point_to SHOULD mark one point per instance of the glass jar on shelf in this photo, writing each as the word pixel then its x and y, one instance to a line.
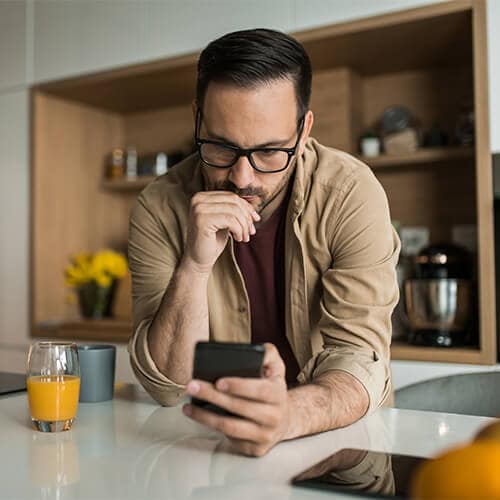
pixel 115 167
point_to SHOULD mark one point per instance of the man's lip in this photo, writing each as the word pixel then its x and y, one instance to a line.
pixel 249 197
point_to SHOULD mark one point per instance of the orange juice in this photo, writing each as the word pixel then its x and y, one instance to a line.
pixel 53 398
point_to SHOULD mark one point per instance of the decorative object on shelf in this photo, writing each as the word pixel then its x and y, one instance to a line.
pixel 115 168
pixel 131 169
pixel 398 128
pixel 158 163
pixel 161 166
pixel 439 300
pixel 435 137
pixel 413 239
pixel 395 119
pixel 93 277
pixel 403 142
pixel 370 144
pixel 465 125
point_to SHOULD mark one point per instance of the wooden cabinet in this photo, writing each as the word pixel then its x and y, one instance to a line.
pixel 426 59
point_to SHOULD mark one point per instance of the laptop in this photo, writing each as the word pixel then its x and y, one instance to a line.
pixel 12 382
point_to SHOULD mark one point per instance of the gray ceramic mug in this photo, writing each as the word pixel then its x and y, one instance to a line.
pixel 97 372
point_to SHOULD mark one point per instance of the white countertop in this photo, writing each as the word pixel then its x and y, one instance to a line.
pixel 132 448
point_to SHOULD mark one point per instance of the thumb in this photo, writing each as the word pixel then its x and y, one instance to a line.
pixel 273 363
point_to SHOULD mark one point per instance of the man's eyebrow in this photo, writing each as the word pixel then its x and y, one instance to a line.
pixel 276 143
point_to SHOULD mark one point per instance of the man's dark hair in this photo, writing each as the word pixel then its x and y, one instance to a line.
pixel 250 58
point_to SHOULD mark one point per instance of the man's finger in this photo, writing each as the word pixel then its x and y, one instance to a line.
pixel 233 209
pixel 249 448
pixel 225 196
pixel 262 390
pixel 232 427
pixel 261 413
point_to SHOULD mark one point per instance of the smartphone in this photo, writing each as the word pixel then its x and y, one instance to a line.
pixel 214 360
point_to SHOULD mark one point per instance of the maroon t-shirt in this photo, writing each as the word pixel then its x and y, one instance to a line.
pixel 262 263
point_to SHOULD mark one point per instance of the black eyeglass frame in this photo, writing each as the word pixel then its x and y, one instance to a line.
pixel 239 152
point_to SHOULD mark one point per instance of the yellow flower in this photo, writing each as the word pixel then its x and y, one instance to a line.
pixel 101 268
pixel 103 279
pixel 110 262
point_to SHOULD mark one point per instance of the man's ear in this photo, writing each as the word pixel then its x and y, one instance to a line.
pixel 308 123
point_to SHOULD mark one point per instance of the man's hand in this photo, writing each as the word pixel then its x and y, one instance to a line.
pixel 213 216
pixel 263 404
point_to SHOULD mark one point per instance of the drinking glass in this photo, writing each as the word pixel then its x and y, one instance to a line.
pixel 53 381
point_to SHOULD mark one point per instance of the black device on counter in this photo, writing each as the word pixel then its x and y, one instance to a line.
pixel 215 360
pixel 362 473
pixel 12 382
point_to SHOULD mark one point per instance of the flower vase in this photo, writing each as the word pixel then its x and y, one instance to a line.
pixel 95 300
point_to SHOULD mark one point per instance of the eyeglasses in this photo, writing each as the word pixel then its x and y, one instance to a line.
pixel 219 154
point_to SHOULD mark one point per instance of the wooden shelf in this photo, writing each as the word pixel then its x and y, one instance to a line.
pixel 360 69
pixel 403 351
pixel 127 184
pixel 424 155
pixel 108 330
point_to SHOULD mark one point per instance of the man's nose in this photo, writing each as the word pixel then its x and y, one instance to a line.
pixel 242 173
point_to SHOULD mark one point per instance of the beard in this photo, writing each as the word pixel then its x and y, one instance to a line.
pixel 265 196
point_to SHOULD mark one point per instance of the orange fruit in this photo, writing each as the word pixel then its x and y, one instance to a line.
pixel 471 472
pixel 489 431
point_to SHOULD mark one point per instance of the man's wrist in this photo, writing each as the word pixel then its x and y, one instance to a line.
pixel 191 268
pixel 291 430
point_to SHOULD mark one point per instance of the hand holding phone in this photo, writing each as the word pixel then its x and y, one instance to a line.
pixel 215 360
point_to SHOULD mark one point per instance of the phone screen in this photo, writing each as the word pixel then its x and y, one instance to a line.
pixel 362 473
pixel 214 360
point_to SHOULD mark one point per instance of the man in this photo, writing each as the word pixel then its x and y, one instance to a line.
pixel 264 235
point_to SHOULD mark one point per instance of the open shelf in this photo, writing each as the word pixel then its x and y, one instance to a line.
pixel 360 68
pixel 421 156
pixel 110 330
pixel 404 351
pixel 127 184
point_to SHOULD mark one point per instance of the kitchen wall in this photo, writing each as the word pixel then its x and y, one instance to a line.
pixel 49 39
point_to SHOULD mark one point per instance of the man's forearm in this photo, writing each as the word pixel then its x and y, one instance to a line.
pixel 181 321
pixel 335 399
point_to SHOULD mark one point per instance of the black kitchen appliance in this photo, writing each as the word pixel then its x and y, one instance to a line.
pixel 439 299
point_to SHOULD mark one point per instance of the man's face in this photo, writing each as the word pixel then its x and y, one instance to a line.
pixel 265 116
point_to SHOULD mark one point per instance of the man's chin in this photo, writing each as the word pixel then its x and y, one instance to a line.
pixel 256 202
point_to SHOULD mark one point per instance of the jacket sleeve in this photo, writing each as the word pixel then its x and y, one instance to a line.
pixel 360 288
pixel 152 260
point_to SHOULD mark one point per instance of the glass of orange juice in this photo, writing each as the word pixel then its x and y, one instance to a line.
pixel 53 382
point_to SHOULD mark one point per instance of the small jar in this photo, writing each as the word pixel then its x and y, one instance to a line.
pixel 131 168
pixel 115 168
pixel 370 146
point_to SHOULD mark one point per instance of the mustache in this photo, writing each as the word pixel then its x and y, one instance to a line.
pixel 246 191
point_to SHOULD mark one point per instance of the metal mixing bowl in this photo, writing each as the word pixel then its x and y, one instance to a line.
pixel 438 304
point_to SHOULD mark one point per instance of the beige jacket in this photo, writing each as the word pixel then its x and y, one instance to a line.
pixel 340 257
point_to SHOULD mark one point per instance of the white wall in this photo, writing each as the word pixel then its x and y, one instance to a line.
pixel 87 35
pixel 47 39
pixel 12 44
pixel 14 216
pixel 493 13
